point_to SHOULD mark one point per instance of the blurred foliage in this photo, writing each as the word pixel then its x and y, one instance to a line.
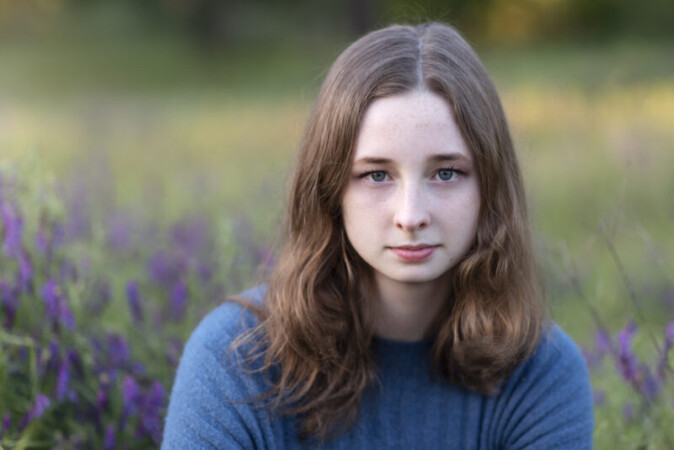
pixel 216 23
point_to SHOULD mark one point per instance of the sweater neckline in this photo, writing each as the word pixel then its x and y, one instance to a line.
pixel 391 349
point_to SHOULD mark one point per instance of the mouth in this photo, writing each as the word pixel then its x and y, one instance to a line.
pixel 414 253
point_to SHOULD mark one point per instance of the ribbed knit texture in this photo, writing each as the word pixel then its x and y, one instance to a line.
pixel 545 404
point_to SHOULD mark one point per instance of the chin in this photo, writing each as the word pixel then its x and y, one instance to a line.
pixel 416 278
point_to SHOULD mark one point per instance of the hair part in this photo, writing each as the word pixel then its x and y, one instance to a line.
pixel 315 326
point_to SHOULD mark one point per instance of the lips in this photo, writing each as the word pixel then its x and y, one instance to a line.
pixel 413 253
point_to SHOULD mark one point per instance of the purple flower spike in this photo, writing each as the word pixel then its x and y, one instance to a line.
pixel 650 385
pixel 165 268
pixel 134 302
pixel 101 400
pixel 118 351
pixel 191 235
pixel 152 411
pixel 157 396
pixel 178 299
pixel 56 305
pixel 25 270
pixel 664 356
pixel 51 300
pixel 628 365
pixel 109 440
pixel 9 300
pixel 669 333
pixel 130 394
pixel 6 423
pixel 67 317
pixel 41 404
pixel 13 226
pixel 63 379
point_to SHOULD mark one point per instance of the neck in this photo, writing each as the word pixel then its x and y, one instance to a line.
pixel 404 311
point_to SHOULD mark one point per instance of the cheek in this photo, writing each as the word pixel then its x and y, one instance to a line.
pixel 361 216
pixel 461 215
pixel 360 205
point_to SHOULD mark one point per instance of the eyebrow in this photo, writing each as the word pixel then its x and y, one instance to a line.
pixel 435 158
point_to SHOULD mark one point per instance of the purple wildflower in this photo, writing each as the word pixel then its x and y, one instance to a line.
pixel 13 226
pixel 51 300
pixel 130 394
pixel 56 305
pixel 664 355
pixel 76 363
pixel 63 379
pixel 152 411
pixel 178 299
pixel 134 302
pixel 41 404
pixel 157 396
pixel 669 335
pixel 25 270
pixel 67 317
pixel 109 439
pixel 6 423
pixel 650 385
pixel 165 269
pixel 191 235
pixel 101 400
pixel 627 361
pixel 9 299
pixel 137 368
pixel 49 358
pixel 118 350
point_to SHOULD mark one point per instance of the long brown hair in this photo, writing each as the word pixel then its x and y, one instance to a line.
pixel 313 325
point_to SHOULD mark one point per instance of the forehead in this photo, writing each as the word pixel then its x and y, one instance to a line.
pixel 416 123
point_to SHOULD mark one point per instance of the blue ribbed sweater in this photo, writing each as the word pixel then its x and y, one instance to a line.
pixel 546 403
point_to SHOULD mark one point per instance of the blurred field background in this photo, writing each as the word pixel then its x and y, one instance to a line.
pixel 131 122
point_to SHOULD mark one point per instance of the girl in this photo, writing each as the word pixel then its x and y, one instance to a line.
pixel 405 310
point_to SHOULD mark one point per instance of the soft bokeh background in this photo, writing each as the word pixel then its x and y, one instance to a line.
pixel 137 118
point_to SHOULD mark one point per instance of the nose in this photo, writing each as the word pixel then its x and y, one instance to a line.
pixel 412 212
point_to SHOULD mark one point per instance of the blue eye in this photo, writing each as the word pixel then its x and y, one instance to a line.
pixel 446 174
pixel 377 176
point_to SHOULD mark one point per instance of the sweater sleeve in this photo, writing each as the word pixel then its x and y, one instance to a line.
pixel 547 403
pixel 208 407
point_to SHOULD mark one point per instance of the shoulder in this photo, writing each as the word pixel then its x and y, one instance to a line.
pixel 556 350
pixel 547 401
pixel 209 405
pixel 220 327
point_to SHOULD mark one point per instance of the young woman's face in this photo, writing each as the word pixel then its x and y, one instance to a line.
pixel 411 204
